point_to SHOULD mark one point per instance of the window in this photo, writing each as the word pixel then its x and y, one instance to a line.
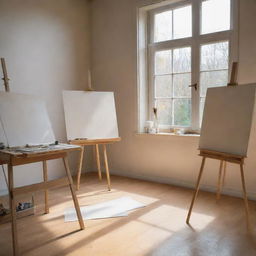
pixel 189 46
pixel 172 96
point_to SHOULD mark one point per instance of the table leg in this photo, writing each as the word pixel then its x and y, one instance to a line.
pixel 98 161
pixel 80 164
pixel 45 171
pixel 13 211
pixel 196 190
pixel 73 193
pixel 106 165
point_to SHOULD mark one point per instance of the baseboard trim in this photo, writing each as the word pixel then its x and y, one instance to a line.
pixel 180 183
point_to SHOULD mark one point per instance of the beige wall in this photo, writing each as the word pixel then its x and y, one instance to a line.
pixel 168 159
pixel 46 46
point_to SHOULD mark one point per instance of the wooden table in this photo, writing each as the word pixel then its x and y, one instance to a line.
pixel 96 143
pixel 15 158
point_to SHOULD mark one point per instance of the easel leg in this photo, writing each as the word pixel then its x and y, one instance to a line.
pixel 196 190
pixel 80 164
pixel 106 165
pixel 98 161
pixel 219 180
pixel 245 196
pixel 13 211
pixel 46 191
pixel 78 212
pixel 224 174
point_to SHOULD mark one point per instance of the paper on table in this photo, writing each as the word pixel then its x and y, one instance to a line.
pixel 109 209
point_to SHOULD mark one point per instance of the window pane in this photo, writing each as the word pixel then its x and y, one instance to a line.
pixel 181 84
pixel 163 86
pixel 163 26
pixel 215 16
pixel 202 101
pixel 182 112
pixel 164 110
pixel 214 56
pixel 163 62
pixel 182 22
pixel 182 60
pixel 212 79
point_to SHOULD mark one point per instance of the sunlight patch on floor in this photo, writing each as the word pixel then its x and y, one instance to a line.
pixel 174 218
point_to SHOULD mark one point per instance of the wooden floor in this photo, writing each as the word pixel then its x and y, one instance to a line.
pixel 218 229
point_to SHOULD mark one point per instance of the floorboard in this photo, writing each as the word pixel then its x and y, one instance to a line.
pixel 217 229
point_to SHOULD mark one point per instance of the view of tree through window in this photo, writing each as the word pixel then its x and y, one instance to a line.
pixel 213 68
pixel 172 94
pixel 181 59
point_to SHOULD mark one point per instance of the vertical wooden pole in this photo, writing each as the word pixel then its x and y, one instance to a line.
pixel 98 161
pixel 219 180
pixel 224 174
pixel 45 171
pixel 13 211
pixel 106 165
pixel 245 197
pixel 80 164
pixel 73 193
pixel 5 78
pixel 196 190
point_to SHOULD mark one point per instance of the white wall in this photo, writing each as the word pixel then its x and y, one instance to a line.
pixel 46 47
pixel 168 159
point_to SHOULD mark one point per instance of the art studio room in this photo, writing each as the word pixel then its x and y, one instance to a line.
pixel 128 127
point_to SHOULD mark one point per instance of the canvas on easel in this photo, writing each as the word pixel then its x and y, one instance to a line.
pixel 227 119
pixel 24 120
pixel 91 120
pixel 90 115
pixel 226 127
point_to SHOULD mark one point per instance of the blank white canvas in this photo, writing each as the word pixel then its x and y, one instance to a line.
pixel 227 119
pixel 90 115
pixel 24 119
pixel 109 209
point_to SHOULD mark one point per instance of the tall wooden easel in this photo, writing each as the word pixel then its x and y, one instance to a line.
pixel 224 158
pixel 96 144
pixel 12 158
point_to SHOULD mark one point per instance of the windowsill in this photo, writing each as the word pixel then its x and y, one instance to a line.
pixel 167 134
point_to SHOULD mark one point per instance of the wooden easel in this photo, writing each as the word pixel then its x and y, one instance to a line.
pixel 12 158
pixel 224 158
pixel 96 143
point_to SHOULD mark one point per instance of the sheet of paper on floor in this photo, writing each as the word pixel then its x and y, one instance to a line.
pixel 110 209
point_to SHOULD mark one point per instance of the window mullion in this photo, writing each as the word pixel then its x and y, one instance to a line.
pixel 195 69
pixel 151 91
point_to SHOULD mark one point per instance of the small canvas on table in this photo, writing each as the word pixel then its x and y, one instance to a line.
pixel 24 120
pixel 227 119
pixel 90 115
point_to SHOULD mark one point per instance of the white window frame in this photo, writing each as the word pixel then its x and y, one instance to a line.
pixel 147 49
